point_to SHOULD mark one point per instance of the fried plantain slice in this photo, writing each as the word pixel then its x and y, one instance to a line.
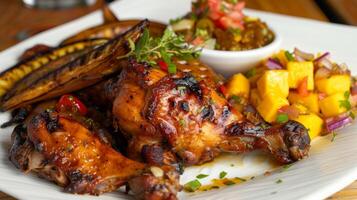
pixel 112 27
pixel 110 30
pixel 108 15
pixel 85 70
pixel 11 76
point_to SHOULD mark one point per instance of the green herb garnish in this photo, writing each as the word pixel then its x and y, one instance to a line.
pixel 346 102
pixel 192 186
pixel 251 73
pixel 236 99
pixel 289 56
pixel 278 181
pixel 201 176
pixel 222 174
pixel 235 31
pixel 282 118
pixel 334 134
pixel 286 167
pixel 182 122
pixel 149 49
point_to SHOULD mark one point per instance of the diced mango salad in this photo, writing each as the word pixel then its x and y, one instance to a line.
pixel 308 88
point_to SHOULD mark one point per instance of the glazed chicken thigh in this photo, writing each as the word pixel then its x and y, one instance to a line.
pixel 183 115
pixel 63 150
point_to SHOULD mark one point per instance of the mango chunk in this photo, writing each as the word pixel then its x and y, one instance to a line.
pixel 274 83
pixel 298 71
pixel 268 107
pixel 331 105
pixel 311 101
pixel 312 122
pixel 238 85
pixel 334 84
pixel 282 57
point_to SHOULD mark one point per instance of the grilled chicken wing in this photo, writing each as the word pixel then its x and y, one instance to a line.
pixel 66 152
pixel 185 115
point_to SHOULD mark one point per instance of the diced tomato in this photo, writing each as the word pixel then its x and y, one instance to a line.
pixel 302 88
pixel 354 89
pixel 239 6
pixel 163 65
pixel 223 90
pixel 70 103
pixel 291 111
pixel 198 41
pixel 322 96
pixel 229 17
pixel 227 22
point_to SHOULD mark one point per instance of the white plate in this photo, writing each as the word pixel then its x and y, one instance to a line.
pixel 330 167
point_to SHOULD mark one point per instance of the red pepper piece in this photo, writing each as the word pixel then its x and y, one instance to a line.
pixel 71 103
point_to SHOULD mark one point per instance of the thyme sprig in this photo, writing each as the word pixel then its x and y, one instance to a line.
pixel 151 49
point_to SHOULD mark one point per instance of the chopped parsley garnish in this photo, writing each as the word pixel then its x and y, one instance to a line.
pixel 286 167
pixel 333 136
pixel 182 122
pixel 149 49
pixel 236 99
pixel 251 73
pixel 278 181
pixel 346 102
pixel 282 118
pixel 192 186
pixel 289 56
pixel 222 174
pixel 235 31
pixel 201 176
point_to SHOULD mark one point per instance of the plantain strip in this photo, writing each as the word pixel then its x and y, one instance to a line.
pixel 111 30
pixel 74 75
pixel 10 77
pixel 108 15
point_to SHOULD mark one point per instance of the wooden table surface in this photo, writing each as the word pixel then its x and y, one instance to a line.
pixel 18 23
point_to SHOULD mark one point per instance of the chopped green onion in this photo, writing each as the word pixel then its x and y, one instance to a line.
pixel 222 174
pixel 201 176
pixel 251 73
pixel 171 68
pixel 236 99
pixel 289 56
pixel 192 186
pixel 182 122
pixel 333 136
pixel 282 118
pixel 279 181
pixel 286 167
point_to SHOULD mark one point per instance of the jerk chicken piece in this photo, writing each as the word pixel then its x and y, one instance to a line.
pixel 66 152
pixel 183 114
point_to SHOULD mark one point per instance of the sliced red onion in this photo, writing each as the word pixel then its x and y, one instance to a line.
pixel 322 72
pixel 322 57
pixel 303 56
pixel 354 90
pixel 273 64
pixel 335 123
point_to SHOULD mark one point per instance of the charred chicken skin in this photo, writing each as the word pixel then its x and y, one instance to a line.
pixel 183 115
pixel 66 152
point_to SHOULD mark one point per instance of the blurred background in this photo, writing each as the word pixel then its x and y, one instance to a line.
pixel 21 19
